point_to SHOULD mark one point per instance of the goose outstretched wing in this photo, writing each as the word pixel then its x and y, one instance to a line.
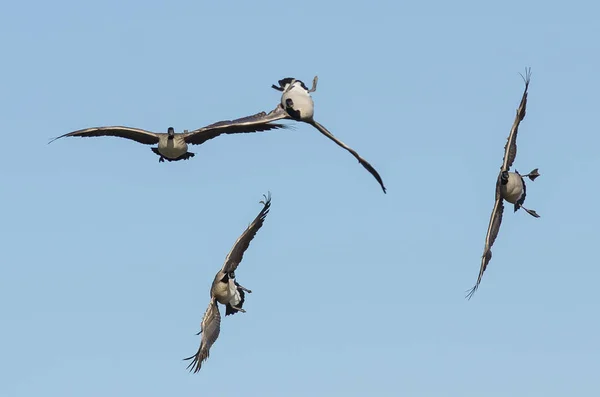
pixel 510 149
pixel 243 242
pixel 255 123
pixel 135 134
pixel 490 237
pixel 362 161
pixel 210 329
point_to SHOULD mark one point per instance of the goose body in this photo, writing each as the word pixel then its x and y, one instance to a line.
pixel 513 189
pixel 226 291
pixel 172 148
pixel 510 187
pixel 297 101
pixel 222 290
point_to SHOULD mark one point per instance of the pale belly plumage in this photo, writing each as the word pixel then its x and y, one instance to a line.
pixel 302 102
pixel 512 191
pixel 227 293
pixel 172 148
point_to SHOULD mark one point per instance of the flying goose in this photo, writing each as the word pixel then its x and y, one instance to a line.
pixel 510 186
pixel 226 291
pixel 174 147
pixel 297 104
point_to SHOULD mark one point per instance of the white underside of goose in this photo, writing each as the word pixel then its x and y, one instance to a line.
pixel 513 189
pixel 227 293
pixel 301 102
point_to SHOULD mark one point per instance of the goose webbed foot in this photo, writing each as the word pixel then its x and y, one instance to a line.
pixel 244 289
pixel 186 156
pixel 533 174
pixel 161 159
pixel 531 212
pixel 314 85
pixel 239 286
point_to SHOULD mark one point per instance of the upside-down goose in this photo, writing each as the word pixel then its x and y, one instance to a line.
pixel 226 291
pixel 510 186
pixel 174 146
pixel 297 104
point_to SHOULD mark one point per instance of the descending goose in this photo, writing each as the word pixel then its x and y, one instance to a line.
pixel 174 147
pixel 510 186
pixel 297 104
pixel 226 291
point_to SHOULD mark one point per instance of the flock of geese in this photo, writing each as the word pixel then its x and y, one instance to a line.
pixel 297 104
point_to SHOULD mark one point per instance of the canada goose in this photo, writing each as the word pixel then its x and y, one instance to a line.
pixel 510 186
pixel 226 290
pixel 297 104
pixel 174 147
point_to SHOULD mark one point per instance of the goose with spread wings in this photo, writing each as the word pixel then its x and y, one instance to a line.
pixel 510 186
pixel 174 146
pixel 297 104
pixel 226 291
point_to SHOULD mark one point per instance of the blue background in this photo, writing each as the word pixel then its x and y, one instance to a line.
pixel 108 255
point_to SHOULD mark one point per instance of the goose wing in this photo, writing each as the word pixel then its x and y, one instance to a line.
pixel 210 329
pixel 255 123
pixel 135 134
pixel 362 161
pixel 241 245
pixel 492 233
pixel 510 149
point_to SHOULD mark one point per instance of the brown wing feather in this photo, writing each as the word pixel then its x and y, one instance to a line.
pixel 510 149
pixel 135 134
pixel 362 161
pixel 255 123
pixel 492 233
pixel 241 245
pixel 210 329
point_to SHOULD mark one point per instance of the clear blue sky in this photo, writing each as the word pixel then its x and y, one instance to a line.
pixel 108 255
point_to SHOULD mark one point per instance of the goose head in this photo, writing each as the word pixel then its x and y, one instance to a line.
pixel 171 132
pixel 227 276
pixel 284 84
pixel 504 177
pixel 296 85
